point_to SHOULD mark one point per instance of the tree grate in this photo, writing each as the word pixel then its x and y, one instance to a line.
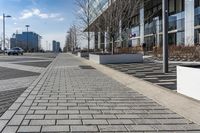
pixel 86 67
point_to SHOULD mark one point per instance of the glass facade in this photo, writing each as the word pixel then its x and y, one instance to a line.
pixel 184 23
pixel 97 7
pixel 197 22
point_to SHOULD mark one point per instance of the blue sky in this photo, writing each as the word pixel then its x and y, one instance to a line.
pixel 49 18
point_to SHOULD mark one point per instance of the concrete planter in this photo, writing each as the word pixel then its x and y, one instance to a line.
pixel 118 58
pixel 188 82
pixel 83 54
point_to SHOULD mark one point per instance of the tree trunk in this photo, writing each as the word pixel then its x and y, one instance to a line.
pixel 113 50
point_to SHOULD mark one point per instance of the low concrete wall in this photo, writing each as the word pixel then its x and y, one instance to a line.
pixel 118 58
pixel 83 54
pixel 188 82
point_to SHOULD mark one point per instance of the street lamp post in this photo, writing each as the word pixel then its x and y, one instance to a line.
pixel 4 30
pixel 165 35
pixel 27 26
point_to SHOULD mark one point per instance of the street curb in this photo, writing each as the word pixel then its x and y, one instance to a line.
pixel 184 106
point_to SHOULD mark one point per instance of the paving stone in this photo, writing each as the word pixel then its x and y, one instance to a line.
pixel 47 112
pixel 8 115
pixel 95 122
pixel 34 117
pixel 140 128
pixel 3 124
pixel 112 128
pixel 22 110
pixel 42 122
pixel 26 129
pixel 80 116
pixel 68 111
pixel 69 122
pixel 10 129
pixel 53 129
pixel 111 116
pixel 16 120
pixel 120 122
pixel 84 128
pixel 57 117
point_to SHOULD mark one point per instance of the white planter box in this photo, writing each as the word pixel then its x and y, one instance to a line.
pixel 118 58
pixel 83 54
pixel 188 81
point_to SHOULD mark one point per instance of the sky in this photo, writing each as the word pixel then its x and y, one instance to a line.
pixel 49 18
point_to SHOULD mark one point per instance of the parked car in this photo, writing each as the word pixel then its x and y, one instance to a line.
pixel 15 51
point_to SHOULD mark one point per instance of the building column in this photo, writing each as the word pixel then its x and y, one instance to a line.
pixel 189 22
pixel 120 33
pixel 157 31
pixel 142 23
pixel 99 40
pixel 96 40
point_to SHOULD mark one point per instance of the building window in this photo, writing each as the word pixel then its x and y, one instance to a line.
pixel 176 6
pixel 179 5
pixel 171 6
pixel 197 3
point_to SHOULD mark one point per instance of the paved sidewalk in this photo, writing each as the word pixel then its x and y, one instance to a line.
pixel 72 97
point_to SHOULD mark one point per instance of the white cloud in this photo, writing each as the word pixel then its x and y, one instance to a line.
pixel 36 12
pixel 26 14
pixel 60 19
pixel 54 15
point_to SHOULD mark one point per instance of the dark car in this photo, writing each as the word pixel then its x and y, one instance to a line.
pixel 15 51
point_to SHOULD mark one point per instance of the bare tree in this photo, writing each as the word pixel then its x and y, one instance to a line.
pixel 117 19
pixel 71 39
pixel 85 16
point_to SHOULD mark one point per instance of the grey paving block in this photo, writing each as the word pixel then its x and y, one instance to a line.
pixel 10 129
pixel 140 128
pixel 80 116
pixel 42 122
pixel 53 129
pixel 84 128
pixel 34 117
pixel 120 122
pixel 69 122
pixel 3 124
pixel 26 129
pixel 7 115
pixel 16 120
pixel 95 122
pixel 112 128
pixel 56 117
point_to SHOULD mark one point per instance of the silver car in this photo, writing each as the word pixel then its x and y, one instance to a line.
pixel 15 51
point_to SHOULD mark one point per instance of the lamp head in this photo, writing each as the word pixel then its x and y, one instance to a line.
pixel 8 16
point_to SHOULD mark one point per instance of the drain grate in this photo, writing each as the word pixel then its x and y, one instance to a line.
pixel 86 67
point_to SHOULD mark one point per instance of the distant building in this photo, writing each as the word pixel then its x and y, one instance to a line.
pixel 56 46
pixel 29 41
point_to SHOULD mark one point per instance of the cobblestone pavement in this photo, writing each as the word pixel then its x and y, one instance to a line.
pixel 72 97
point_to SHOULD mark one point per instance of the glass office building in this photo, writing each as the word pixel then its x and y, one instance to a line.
pixel 27 40
pixel 146 25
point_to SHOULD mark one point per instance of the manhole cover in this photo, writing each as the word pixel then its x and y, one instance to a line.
pixel 86 67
